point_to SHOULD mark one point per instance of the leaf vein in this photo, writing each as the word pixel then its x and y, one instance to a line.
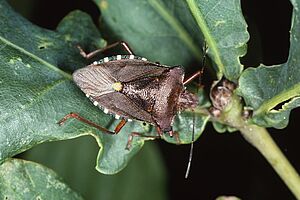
pixel 207 34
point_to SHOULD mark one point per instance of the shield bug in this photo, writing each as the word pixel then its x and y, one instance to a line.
pixel 132 88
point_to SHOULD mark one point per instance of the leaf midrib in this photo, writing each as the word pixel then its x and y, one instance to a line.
pixel 285 95
pixel 200 20
pixel 177 26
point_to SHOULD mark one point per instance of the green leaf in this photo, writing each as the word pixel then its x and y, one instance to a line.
pixel 21 179
pixel 74 160
pixel 265 87
pixel 172 31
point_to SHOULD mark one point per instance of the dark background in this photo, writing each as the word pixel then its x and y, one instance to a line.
pixel 223 164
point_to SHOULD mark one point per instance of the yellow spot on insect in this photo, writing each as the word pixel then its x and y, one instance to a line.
pixel 103 4
pixel 117 86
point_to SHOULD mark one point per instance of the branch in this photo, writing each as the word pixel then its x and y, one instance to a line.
pixel 263 142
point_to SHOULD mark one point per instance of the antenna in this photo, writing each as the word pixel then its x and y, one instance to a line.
pixel 191 150
pixel 205 48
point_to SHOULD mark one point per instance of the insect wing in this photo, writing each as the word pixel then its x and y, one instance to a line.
pixel 94 81
pixel 120 105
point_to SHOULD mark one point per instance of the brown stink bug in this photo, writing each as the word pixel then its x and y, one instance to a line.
pixel 132 88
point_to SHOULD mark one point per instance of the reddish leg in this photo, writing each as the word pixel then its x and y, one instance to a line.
pixel 159 132
pixel 135 134
pixel 191 78
pixel 116 131
pixel 120 125
pixel 93 53
pixel 78 117
pixel 171 134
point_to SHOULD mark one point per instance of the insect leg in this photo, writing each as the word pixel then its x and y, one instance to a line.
pixel 195 75
pixel 120 126
pixel 135 134
pixel 93 53
pixel 78 117
pixel 171 133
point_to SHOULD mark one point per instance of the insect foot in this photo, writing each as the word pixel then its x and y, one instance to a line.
pixel 70 115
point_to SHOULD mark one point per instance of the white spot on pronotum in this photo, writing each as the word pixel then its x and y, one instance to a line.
pixel 131 57
pixel 106 59
pixel 105 110
pixel 119 57
pixel 130 120
pixel 95 103
pixel 95 63
pixel 117 116
pixel 87 95
pixel 144 59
